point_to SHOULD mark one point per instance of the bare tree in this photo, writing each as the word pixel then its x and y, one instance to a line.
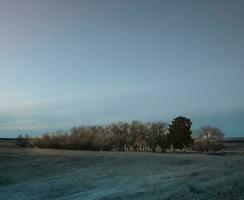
pixel 136 131
pixel 120 131
pixel 208 139
pixel 23 141
pixel 163 136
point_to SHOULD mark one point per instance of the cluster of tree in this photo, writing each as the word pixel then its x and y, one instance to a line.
pixel 123 136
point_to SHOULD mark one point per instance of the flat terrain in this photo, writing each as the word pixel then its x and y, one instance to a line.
pixel 57 174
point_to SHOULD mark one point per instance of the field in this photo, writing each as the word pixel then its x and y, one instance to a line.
pixel 57 174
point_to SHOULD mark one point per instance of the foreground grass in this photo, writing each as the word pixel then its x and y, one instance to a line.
pixel 57 174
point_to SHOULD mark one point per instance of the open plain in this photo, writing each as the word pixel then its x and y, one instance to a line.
pixel 32 173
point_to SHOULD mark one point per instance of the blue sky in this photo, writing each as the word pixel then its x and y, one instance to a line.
pixel 67 63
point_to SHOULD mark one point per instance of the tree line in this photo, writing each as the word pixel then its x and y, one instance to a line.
pixel 133 136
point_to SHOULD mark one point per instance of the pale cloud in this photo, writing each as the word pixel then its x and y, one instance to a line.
pixel 100 105
pixel 9 98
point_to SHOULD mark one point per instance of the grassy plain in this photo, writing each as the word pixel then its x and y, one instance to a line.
pixel 38 174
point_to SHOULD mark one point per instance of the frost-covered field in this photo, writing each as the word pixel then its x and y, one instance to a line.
pixel 56 174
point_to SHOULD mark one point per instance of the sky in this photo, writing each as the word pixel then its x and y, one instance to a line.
pixel 65 63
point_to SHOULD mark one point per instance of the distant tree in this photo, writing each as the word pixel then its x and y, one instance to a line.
pixel 108 138
pixel 163 137
pixel 151 136
pixel 180 133
pixel 208 138
pixel 120 131
pixel 23 141
pixel 140 143
pixel 135 137
pixel 156 135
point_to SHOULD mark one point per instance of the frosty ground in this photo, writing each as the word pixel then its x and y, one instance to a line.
pixel 57 174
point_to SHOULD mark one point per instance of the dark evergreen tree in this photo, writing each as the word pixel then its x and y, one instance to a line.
pixel 180 133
